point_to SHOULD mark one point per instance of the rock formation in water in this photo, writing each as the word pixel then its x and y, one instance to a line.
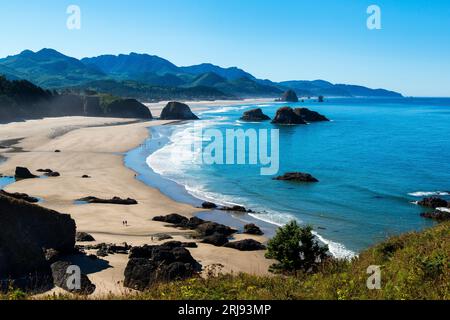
pixel 286 115
pixel 177 111
pixel 310 116
pixel 297 177
pixel 433 202
pixel 254 115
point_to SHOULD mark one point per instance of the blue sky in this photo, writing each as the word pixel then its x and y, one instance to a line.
pixel 275 39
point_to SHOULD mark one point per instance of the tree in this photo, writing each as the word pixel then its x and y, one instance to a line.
pixel 295 248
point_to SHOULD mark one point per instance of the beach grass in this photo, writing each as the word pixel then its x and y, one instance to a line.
pixel 413 266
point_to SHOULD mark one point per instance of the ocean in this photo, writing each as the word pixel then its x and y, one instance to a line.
pixel 374 159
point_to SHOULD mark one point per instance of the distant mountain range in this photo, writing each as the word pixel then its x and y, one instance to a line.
pixel 150 77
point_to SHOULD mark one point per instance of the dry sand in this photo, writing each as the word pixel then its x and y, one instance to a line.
pixel 95 146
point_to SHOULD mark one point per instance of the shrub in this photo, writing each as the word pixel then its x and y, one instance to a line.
pixel 295 248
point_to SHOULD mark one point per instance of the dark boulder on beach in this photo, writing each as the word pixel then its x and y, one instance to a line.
pixel 289 96
pixel 62 272
pixel 433 202
pixel 173 218
pixel 246 245
pixel 24 173
pixel 209 228
pixel 52 174
pixel 216 239
pixel 85 176
pixel 115 200
pixel 309 115
pixel 84 237
pixel 149 265
pixel 177 111
pixel 20 196
pixel 252 228
pixel 254 115
pixel 45 170
pixel 286 115
pixel 128 108
pixel 208 205
pixel 27 232
pixel 193 223
pixel 297 177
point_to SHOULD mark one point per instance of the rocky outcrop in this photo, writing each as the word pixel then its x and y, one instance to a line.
pixel 440 215
pixel 53 174
pixel 210 228
pixel 26 231
pixel 24 173
pixel 173 218
pixel 115 200
pixel 128 108
pixel 433 202
pixel 62 273
pixel 297 177
pixel 177 111
pixel 84 237
pixel 216 239
pixel 254 115
pixel 252 228
pixel 286 115
pixel 20 196
pixel 149 265
pixel 289 96
pixel 310 116
pixel 210 232
pixel 235 208
pixel 246 245
pixel 208 205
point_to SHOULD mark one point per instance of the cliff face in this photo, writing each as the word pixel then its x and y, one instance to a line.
pixel 26 230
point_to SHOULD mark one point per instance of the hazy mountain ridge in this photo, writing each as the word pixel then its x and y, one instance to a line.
pixel 155 78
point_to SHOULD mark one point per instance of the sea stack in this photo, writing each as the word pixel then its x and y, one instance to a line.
pixel 289 96
pixel 177 111
pixel 254 115
pixel 309 115
pixel 286 115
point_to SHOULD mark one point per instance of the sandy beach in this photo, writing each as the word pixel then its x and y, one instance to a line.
pixel 96 147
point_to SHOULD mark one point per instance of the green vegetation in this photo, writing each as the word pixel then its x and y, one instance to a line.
pixel 413 266
pixel 296 249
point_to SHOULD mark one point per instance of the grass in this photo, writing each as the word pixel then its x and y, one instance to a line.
pixel 413 266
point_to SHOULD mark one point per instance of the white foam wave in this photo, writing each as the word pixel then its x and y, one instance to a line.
pixel 178 157
pixel 443 209
pixel 429 193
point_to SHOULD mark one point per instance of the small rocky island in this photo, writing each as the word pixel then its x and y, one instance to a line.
pixel 254 115
pixel 177 111
pixel 297 177
pixel 286 115
pixel 309 115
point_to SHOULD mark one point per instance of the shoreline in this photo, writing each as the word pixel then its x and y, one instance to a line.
pixel 136 160
pixel 99 151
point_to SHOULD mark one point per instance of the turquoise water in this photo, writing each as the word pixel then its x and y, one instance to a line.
pixel 373 160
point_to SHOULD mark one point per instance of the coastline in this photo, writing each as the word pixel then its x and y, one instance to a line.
pixel 97 147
